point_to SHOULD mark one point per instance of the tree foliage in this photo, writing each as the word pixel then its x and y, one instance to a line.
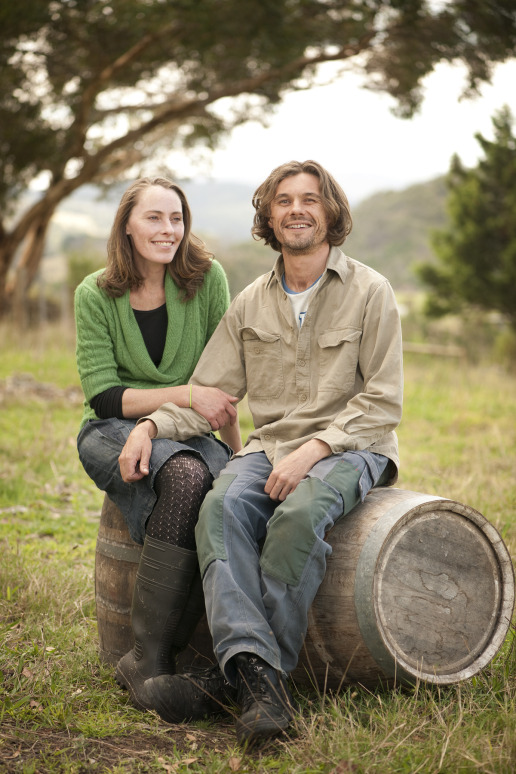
pixel 90 89
pixel 477 250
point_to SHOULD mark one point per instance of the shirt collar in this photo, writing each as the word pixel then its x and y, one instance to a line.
pixel 277 271
pixel 337 262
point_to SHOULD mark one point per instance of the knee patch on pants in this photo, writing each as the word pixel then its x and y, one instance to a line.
pixel 291 533
pixel 209 532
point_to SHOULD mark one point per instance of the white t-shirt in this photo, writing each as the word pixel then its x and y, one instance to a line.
pixel 299 300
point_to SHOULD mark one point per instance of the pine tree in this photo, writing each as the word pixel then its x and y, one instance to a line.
pixel 477 250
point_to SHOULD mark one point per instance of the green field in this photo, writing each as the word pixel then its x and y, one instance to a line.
pixel 60 708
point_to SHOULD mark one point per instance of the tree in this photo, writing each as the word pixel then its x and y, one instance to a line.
pixel 90 89
pixel 477 250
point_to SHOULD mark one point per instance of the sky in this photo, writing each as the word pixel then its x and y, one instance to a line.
pixel 353 133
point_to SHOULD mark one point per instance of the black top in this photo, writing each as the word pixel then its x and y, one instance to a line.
pixel 153 325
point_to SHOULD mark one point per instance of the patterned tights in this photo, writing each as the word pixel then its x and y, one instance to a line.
pixel 181 486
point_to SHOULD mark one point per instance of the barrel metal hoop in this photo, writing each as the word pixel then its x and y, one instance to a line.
pixel 118 551
pixel 365 591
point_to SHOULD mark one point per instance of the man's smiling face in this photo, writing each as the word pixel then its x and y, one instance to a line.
pixel 297 217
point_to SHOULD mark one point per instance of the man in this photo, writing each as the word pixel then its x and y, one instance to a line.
pixel 316 346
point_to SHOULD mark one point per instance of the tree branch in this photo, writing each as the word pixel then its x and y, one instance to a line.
pixel 80 124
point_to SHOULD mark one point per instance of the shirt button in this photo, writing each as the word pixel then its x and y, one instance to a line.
pixel 302 398
pixel 302 362
pixel 267 437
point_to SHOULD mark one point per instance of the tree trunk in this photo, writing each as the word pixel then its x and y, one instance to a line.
pixel 28 237
pixel 9 245
pixel 32 252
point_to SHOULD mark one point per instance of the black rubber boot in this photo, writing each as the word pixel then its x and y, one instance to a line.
pixel 193 611
pixel 161 594
pixel 190 696
pixel 263 696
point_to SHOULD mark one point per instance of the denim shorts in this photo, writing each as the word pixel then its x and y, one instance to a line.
pixel 99 444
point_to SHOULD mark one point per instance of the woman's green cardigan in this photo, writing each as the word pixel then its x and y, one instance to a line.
pixel 110 348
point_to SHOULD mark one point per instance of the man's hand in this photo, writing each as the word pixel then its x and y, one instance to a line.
pixel 215 405
pixel 293 468
pixel 134 457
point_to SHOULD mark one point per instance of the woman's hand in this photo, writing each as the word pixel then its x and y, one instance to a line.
pixel 215 405
pixel 135 456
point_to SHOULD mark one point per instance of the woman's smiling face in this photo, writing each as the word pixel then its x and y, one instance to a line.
pixel 155 225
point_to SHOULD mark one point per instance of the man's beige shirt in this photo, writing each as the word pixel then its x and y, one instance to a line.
pixel 339 378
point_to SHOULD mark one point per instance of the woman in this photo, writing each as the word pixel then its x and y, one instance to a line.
pixel 142 324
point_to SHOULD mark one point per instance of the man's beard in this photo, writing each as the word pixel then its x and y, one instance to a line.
pixel 314 239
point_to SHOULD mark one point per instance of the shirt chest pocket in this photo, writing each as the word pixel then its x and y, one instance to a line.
pixel 338 358
pixel 263 362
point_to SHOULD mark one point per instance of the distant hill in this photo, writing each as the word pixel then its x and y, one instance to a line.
pixel 390 229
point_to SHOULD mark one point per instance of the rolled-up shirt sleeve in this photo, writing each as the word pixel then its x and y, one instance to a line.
pixel 177 423
pixel 220 365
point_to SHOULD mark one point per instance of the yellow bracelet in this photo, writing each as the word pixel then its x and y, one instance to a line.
pixel 190 396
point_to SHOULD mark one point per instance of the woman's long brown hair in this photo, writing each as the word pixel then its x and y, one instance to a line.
pixel 191 261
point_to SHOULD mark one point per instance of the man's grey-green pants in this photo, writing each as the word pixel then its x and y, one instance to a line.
pixel 262 560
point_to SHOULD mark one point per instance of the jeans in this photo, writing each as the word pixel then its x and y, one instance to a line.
pixel 263 561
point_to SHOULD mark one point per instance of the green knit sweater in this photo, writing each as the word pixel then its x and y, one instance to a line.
pixel 110 348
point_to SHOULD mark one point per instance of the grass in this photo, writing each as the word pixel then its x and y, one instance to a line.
pixel 60 710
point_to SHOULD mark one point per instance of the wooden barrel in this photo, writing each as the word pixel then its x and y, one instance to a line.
pixel 116 562
pixel 417 588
